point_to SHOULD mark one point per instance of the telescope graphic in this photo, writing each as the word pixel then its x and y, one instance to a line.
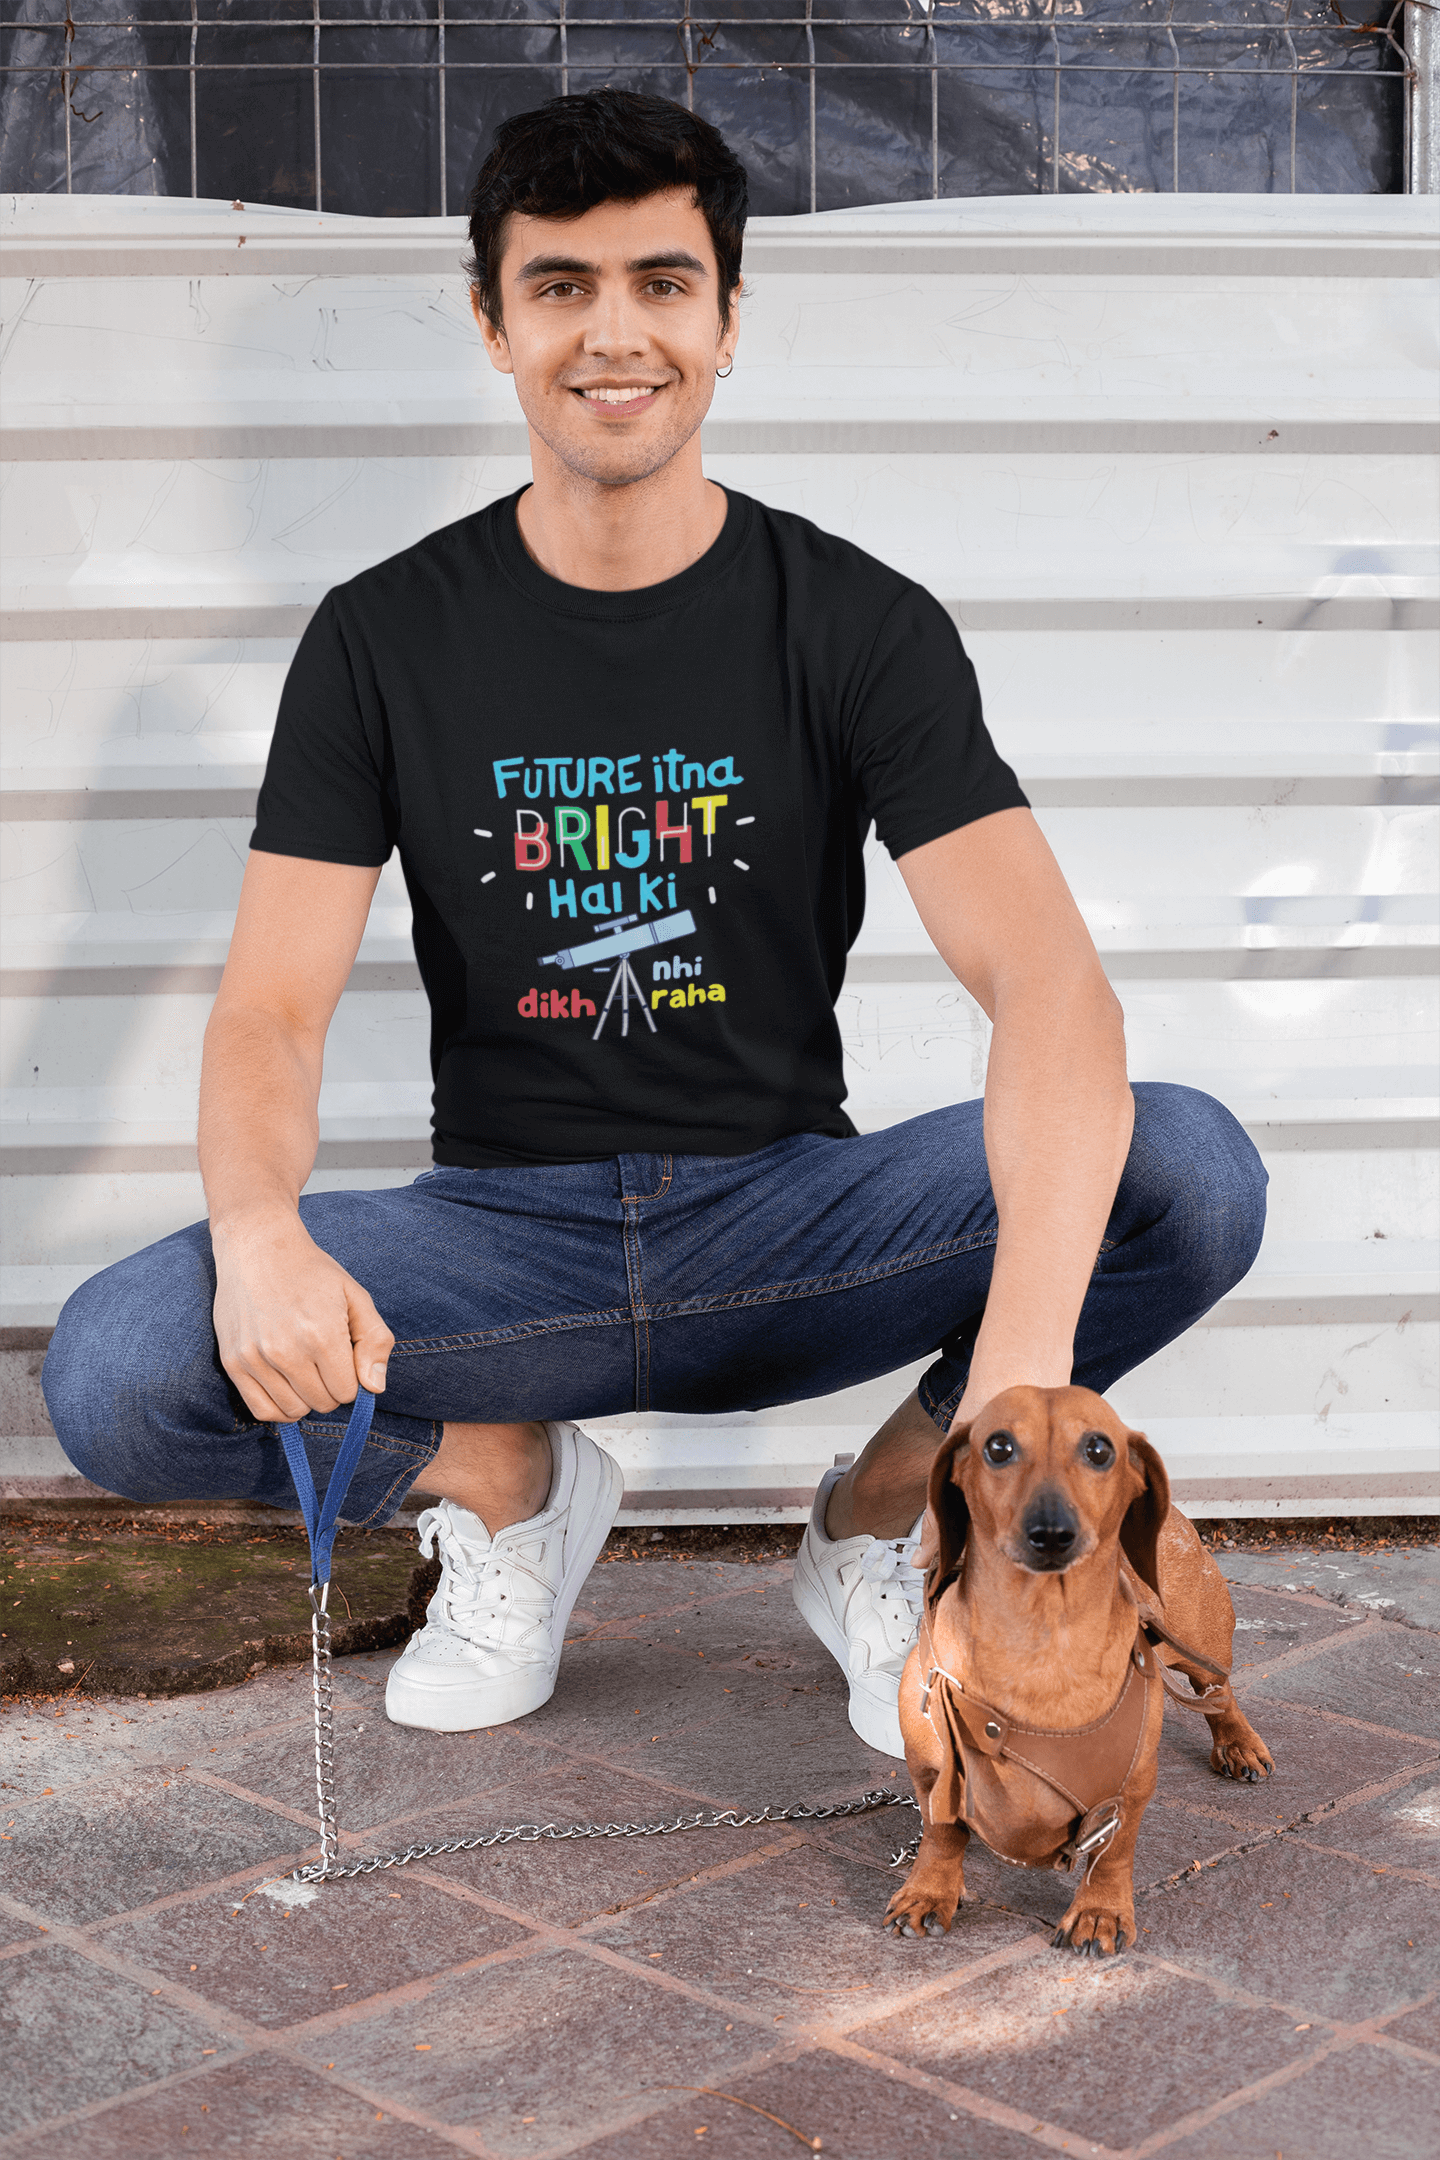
pixel 617 942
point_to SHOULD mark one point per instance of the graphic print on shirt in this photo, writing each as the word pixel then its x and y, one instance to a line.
pixel 618 882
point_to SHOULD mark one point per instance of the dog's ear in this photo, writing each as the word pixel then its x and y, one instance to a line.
pixel 1145 1516
pixel 950 1509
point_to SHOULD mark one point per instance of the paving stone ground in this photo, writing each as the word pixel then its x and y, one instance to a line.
pixel 720 1991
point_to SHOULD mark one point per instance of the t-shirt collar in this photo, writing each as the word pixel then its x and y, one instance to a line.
pixel 520 567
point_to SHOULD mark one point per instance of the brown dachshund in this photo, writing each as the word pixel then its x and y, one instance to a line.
pixel 1031 1706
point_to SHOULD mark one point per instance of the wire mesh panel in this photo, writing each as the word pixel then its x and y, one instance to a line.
pixel 382 107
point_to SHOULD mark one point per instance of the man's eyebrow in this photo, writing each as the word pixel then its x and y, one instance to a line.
pixel 668 259
pixel 555 266
pixel 543 266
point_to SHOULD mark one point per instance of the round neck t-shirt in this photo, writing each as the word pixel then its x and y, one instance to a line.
pixel 630 823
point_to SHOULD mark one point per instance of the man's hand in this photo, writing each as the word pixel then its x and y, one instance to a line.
pixel 296 1333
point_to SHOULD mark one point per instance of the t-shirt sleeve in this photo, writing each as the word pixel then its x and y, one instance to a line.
pixel 323 796
pixel 919 747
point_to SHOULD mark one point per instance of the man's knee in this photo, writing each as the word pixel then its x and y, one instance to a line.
pixel 131 1356
pixel 1193 1162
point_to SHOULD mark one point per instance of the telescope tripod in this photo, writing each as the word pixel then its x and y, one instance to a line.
pixel 624 980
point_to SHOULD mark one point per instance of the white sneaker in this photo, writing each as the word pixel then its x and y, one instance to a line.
pixel 490 1647
pixel 862 1596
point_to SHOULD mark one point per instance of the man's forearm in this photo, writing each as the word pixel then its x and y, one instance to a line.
pixel 1058 1120
pixel 259 1116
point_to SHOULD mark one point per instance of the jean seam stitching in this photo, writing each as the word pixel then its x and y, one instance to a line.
pixel 399 1485
pixel 661 1189
pixel 376 1442
pixel 522 1331
pixel 942 1407
pixel 640 1287
pixel 821 1285
pixel 635 1268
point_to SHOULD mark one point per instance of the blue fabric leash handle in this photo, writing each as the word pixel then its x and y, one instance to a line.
pixel 320 1526
pixel 321 1522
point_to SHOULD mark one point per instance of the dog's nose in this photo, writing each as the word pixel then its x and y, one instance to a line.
pixel 1050 1529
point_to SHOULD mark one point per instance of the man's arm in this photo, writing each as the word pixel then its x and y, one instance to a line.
pixel 295 1331
pixel 1058 1108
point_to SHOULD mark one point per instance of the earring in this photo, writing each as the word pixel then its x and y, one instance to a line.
pixel 722 372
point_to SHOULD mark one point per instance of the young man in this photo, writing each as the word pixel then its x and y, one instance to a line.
pixel 628 732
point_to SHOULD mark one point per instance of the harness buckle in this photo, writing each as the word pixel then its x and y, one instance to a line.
pixel 1096 1832
pixel 320 1597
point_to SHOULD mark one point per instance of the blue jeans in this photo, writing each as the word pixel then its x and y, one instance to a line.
pixel 646 1282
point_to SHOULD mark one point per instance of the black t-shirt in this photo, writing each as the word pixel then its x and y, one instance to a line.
pixel 630 822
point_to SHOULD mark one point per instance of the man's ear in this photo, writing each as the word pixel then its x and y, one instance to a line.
pixel 950 1509
pixel 1145 1516
pixel 492 337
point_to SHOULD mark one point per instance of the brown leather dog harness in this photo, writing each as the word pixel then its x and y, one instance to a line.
pixel 1089 1766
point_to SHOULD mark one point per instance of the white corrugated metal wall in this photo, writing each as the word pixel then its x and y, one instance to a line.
pixel 1170 461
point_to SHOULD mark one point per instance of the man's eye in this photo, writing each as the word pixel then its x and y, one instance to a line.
pixel 1097 1450
pixel 663 286
pixel 561 291
pixel 999 1448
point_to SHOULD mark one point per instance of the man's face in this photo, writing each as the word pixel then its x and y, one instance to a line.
pixel 612 332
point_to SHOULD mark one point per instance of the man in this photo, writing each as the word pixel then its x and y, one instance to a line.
pixel 628 732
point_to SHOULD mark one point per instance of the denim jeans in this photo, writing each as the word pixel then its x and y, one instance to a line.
pixel 646 1282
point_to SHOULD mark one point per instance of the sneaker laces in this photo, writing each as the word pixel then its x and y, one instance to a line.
pixel 897 1587
pixel 477 1595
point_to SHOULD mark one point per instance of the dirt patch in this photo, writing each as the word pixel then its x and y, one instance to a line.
pixel 124 1611
pixel 743 1542
pixel 1350 1533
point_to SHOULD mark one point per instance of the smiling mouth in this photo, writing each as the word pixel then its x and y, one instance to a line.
pixel 630 394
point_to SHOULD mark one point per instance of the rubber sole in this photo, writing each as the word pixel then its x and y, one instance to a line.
pixel 438 1706
pixel 468 1702
pixel 875 1719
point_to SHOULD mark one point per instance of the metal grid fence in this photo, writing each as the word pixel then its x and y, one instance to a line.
pixel 1049 55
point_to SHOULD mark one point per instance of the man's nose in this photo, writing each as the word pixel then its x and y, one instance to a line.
pixel 1050 1527
pixel 616 326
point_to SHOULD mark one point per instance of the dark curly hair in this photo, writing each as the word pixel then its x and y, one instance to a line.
pixel 574 153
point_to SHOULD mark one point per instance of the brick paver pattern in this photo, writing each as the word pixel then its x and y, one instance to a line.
pixel 641 1999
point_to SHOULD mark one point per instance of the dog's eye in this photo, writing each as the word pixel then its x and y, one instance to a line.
pixel 1099 1452
pixel 999 1448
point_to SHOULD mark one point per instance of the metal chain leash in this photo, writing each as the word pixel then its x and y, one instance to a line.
pixel 326 1869
pixel 321 1676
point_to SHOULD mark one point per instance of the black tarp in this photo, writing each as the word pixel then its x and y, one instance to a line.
pixel 130 86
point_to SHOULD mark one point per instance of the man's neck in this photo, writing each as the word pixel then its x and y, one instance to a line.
pixel 618 539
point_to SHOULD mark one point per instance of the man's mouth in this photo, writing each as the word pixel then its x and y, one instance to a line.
pixel 629 394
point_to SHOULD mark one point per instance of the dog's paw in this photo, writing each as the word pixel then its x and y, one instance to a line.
pixel 1242 1755
pixel 914 1913
pixel 1093 1933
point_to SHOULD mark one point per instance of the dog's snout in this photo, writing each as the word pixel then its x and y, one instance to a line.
pixel 1050 1530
